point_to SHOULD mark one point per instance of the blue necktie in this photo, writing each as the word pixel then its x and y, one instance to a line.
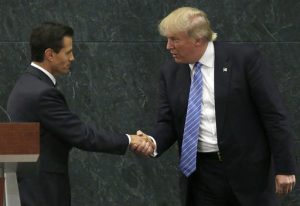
pixel 192 124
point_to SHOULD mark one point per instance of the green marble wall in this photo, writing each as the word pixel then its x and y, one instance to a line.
pixel 113 83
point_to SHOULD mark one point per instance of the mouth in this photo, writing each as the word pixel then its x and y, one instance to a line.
pixel 174 55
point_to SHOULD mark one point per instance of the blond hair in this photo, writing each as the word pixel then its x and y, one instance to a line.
pixel 190 20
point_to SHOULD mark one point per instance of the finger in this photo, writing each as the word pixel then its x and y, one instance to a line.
pixel 145 148
pixel 290 188
pixel 133 147
pixel 293 180
pixel 141 147
pixel 290 184
pixel 278 188
pixel 139 133
pixel 150 151
pixel 286 187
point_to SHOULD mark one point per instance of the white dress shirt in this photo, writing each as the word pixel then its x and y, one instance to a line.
pixel 208 130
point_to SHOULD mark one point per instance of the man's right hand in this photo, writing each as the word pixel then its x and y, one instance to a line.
pixel 142 144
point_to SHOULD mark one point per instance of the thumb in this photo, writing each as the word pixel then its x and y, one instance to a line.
pixel 139 133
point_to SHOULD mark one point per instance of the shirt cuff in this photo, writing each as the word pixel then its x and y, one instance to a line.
pixel 129 139
pixel 155 149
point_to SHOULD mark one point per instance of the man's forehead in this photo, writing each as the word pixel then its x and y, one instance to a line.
pixel 67 41
pixel 180 34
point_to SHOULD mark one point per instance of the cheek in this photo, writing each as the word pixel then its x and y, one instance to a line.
pixel 64 60
pixel 183 50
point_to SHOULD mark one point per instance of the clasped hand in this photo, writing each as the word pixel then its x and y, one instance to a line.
pixel 285 184
pixel 142 144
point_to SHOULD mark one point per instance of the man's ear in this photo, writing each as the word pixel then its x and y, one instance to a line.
pixel 199 42
pixel 49 54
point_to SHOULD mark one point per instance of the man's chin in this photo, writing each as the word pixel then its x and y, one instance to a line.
pixel 62 73
pixel 179 61
pixel 67 71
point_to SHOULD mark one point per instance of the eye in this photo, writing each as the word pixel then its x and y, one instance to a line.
pixel 173 40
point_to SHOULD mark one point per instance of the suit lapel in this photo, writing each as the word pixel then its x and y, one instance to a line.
pixel 39 74
pixel 184 86
pixel 222 82
pixel 181 89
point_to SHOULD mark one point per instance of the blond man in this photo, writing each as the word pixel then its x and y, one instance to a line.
pixel 220 104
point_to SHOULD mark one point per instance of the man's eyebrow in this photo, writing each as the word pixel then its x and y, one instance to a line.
pixel 69 51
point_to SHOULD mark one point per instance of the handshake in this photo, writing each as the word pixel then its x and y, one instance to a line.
pixel 142 144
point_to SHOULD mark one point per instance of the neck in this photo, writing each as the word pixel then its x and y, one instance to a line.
pixel 202 49
pixel 44 65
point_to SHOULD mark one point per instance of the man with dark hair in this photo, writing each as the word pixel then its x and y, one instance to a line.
pixel 35 99
pixel 41 39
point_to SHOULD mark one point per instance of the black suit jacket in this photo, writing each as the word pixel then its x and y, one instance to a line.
pixel 35 99
pixel 252 124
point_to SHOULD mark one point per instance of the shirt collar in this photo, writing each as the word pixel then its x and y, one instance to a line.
pixel 208 58
pixel 45 72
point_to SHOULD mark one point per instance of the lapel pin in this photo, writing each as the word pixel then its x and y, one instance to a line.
pixel 225 69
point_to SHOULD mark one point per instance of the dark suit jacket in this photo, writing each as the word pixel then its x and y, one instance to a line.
pixel 252 124
pixel 35 99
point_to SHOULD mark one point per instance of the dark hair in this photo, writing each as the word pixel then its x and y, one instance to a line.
pixel 48 35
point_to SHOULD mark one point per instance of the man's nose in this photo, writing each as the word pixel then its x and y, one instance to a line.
pixel 72 58
pixel 169 44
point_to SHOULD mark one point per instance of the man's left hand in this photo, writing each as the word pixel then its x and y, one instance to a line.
pixel 285 184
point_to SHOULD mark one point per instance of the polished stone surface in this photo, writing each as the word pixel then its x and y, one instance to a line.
pixel 113 83
pixel 136 20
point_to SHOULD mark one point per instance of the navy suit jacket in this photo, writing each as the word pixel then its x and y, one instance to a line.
pixel 252 125
pixel 35 99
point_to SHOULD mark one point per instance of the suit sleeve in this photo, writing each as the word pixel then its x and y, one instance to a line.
pixel 164 132
pixel 272 112
pixel 56 117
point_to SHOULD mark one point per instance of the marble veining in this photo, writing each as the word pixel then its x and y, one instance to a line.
pixel 114 80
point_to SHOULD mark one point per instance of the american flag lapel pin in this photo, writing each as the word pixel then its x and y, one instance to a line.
pixel 225 69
